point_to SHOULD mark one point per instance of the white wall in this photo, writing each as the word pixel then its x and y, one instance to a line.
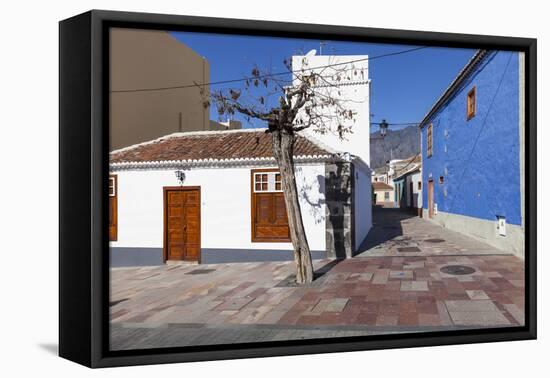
pixel 363 204
pixel 379 178
pixel 225 207
pixel 415 178
pixel 354 95
pixel 381 196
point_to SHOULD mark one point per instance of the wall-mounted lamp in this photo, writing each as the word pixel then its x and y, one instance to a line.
pixel 180 175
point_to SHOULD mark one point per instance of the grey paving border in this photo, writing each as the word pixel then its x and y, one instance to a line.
pixel 127 336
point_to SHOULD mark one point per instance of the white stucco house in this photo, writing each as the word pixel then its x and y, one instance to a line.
pixel 215 196
pixel 380 175
pixel 408 187
pixel 383 194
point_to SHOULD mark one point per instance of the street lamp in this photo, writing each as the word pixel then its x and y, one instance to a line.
pixel 383 128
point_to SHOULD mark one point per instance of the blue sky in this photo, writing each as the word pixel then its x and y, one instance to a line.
pixel 403 88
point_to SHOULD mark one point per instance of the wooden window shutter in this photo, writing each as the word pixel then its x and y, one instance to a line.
pixel 279 209
pixel 429 140
pixel 471 104
pixel 113 208
pixel 269 217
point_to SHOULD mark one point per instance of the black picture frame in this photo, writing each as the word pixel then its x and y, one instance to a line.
pixel 83 167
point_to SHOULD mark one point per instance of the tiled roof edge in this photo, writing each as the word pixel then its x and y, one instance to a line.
pixel 462 75
pixel 414 168
pixel 214 163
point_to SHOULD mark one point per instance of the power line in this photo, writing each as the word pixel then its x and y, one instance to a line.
pixel 267 75
pixel 398 124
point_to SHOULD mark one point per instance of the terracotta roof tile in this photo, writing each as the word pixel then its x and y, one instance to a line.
pixel 218 145
pixel 378 185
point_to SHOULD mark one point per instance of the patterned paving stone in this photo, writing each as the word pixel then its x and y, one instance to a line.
pixel 477 294
pixel 387 320
pixel 375 293
pixel 471 306
pixel 234 304
pixel 414 286
pixel 492 318
pixel 401 274
pixel 397 233
pixel 516 312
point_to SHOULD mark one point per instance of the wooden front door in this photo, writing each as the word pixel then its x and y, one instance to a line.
pixel 182 215
pixel 431 198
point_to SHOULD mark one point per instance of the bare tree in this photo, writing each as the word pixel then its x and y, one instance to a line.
pixel 312 100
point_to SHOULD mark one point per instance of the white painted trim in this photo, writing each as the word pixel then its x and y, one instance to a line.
pixel 271 182
pixel 214 163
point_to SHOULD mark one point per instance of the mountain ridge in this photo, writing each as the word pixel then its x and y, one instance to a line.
pixel 397 144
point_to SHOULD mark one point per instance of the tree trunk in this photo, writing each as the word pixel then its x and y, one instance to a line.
pixel 283 144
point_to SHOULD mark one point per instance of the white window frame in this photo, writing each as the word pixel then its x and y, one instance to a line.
pixel 270 182
pixel 112 186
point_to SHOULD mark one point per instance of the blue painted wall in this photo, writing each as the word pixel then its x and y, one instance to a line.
pixel 399 192
pixel 479 159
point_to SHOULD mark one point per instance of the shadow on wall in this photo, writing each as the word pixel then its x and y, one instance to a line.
pixel 338 190
pixel 403 199
pixel 312 193
pixel 335 193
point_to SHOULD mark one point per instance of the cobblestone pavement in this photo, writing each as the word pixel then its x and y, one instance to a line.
pixel 395 232
pixel 180 305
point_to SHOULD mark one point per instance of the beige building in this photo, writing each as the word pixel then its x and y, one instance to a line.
pixel 144 60
pixel 383 194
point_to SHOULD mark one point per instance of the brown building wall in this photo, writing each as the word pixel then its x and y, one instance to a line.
pixel 151 59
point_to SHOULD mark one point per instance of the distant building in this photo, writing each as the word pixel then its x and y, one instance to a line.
pixel 226 125
pixel 383 194
pixel 473 152
pixel 408 186
pixel 386 174
pixel 395 166
pixel 142 62
pixel 380 174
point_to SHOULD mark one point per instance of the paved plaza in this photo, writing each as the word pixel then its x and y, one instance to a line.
pixel 405 280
